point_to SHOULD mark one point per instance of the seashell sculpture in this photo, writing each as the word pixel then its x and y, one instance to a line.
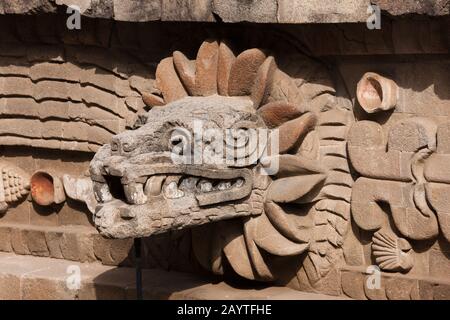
pixel 14 185
pixel 47 188
pixel 376 93
pixel 391 252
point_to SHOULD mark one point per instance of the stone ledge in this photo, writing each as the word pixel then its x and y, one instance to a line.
pixel 75 243
pixel 260 11
pixel 396 37
pixel 392 286
pixel 26 277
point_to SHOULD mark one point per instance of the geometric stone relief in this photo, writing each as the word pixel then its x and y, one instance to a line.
pixel 401 196
pixel 394 176
pixel 73 101
pixel 358 184
pixel 392 253
pixel 305 209
pixel 14 185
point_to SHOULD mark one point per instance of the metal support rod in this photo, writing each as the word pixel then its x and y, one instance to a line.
pixel 137 253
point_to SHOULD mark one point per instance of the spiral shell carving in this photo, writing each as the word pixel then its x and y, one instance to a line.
pixel 391 252
pixel 14 184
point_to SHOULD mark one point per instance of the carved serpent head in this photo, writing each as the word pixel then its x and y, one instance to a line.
pixel 222 149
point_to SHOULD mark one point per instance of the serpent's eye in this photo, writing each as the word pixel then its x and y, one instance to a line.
pixel 177 143
pixel 127 147
pixel 180 141
pixel 240 137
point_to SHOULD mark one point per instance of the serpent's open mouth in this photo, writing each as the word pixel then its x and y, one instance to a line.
pixel 177 194
pixel 175 183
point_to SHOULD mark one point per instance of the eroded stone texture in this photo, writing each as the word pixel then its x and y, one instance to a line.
pixel 75 91
pixel 313 169
pixel 45 278
pixel 397 200
pixel 14 185
pixel 236 11
pixel 142 191
pixel 179 10
pixel 64 106
pixel 262 11
pixel 327 11
pixel 429 7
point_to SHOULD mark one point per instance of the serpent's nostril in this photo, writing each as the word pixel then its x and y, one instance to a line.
pixel 115 145
pixel 127 214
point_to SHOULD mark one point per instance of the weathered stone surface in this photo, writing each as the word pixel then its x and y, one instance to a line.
pixel 275 114
pixel 294 130
pixel 77 91
pixel 27 278
pixel 353 285
pixel 5 239
pixel 402 162
pixel 159 196
pixel 9 287
pixel 14 185
pixel 353 249
pixel 167 81
pixel 22 7
pixel 392 286
pixel 81 106
pixel 77 246
pixel 36 243
pixel 441 292
pixel 400 289
pixel 368 193
pixel 438 261
pixel 369 157
pixel 267 11
pixel 273 11
pixel 112 252
pixel 243 72
pixel 136 10
pixel 179 10
pixel 327 11
pixel 252 11
pixel 74 243
pixel 81 189
pixel 428 7
pixel 18 242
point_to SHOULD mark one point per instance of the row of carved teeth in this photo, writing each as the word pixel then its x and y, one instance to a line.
pixel 173 187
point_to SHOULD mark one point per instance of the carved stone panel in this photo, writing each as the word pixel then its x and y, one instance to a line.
pixel 251 219
pixel 290 155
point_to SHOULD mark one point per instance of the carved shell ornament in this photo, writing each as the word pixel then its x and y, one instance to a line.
pixel 391 252
pixel 240 219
